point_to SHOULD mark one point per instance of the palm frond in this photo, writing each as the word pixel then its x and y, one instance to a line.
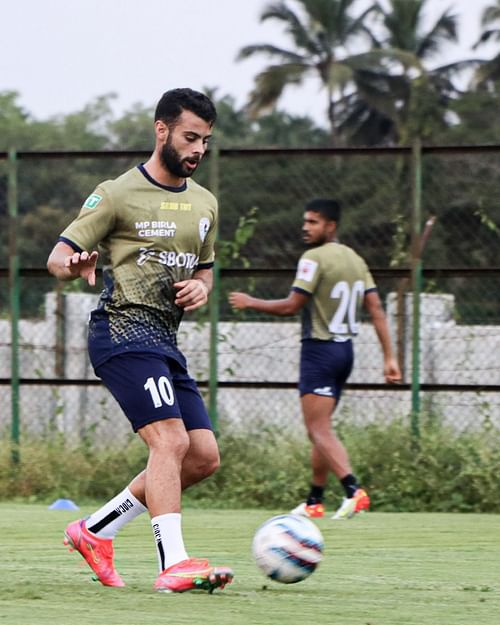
pixel 444 29
pixel 358 24
pixel 300 33
pixel 272 51
pixel 339 76
pixel 457 67
pixel 487 72
pixel 383 93
pixel 492 33
pixel 362 125
pixel 491 14
pixel 270 83
pixel 376 58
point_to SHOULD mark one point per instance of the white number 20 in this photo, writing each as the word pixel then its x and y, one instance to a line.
pixel 344 320
pixel 161 392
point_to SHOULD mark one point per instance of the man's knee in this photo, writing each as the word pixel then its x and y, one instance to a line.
pixel 318 434
pixel 167 436
pixel 198 466
pixel 208 465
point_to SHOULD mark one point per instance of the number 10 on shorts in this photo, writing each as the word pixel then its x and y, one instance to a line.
pixel 161 392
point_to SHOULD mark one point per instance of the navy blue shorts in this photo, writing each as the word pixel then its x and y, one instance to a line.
pixel 151 387
pixel 325 367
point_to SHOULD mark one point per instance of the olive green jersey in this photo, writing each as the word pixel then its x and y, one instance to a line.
pixel 149 236
pixel 337 280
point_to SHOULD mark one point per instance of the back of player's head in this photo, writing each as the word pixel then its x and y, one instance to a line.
pixel 172 103
pixel 329 209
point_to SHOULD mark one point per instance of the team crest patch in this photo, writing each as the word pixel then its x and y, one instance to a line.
pixel 306 269
pixel 204 226
pixel 92 201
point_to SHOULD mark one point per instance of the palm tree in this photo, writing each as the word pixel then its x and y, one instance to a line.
pixel 489 71
pixel 321 32
pixel 424 94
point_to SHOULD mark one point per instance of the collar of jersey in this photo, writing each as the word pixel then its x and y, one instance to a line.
pixel 143 171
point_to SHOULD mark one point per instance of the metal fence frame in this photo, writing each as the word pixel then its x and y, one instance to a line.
pixel 415 274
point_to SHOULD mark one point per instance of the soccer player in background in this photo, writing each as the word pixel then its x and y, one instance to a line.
pixel 331 284
pixel 155 228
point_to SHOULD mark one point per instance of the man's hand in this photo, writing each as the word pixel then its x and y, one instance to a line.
pixel 191 294
pixel 82 265
pixel 392 373
pixel 239 301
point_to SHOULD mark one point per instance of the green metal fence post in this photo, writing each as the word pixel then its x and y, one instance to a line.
pixel 214 303
pixel 416 279
pixel 14 290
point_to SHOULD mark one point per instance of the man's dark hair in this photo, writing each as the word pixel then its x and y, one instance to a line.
pixel 329 209
pixel 172 103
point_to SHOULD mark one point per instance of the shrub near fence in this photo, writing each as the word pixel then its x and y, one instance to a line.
pixel 446 472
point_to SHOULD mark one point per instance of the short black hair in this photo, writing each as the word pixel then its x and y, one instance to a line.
pixel 172 103
pixel 327 208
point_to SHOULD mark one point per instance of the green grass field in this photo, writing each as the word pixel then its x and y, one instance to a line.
pixel 379 569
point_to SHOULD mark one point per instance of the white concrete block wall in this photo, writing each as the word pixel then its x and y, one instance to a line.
pixel 254 351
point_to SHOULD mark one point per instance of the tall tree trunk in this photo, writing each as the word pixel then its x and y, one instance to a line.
pixel 331 116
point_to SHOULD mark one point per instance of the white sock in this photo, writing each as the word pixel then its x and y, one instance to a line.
pixel 168 537
pixel 120 510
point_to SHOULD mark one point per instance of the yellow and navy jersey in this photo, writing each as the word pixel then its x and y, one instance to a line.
pixel 337 279
pixel 149 236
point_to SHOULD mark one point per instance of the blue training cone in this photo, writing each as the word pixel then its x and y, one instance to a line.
pixel 63 504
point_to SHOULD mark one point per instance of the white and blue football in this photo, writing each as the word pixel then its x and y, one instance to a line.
pixel 287 548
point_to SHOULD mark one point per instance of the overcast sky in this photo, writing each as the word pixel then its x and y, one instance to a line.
pixel 61 54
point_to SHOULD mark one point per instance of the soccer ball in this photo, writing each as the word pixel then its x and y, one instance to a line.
pixel 287 548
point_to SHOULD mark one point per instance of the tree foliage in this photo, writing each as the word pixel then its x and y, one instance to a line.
pixel 391 89
pixel 319 31
pixel 389 92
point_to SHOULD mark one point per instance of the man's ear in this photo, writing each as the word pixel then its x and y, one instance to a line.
pixel 332 227
pixel 161 130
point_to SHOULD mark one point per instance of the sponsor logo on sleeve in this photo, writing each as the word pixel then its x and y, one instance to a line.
pixel 204 227
pixel 92 201
pixel 306 269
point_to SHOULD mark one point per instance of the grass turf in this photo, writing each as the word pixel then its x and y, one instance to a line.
pixel 378 569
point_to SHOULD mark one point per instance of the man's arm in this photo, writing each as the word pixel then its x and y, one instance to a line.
pixel 374 306
pixel 66 264
pixel 282 307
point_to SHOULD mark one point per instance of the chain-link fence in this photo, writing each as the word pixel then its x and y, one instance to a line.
pixel 252 371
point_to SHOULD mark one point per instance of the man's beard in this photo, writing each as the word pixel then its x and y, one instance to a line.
pixel 321 241
pixel 171 160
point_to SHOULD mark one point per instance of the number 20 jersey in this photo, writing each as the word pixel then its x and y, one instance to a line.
pixel 337 279
pixel 149 236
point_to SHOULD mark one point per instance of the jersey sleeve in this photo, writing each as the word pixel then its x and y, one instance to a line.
pixel 369 281
pixel 308 273
pixel 95 220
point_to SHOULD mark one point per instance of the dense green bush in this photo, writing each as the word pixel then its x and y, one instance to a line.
pixel 49 470
pixel 442 471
